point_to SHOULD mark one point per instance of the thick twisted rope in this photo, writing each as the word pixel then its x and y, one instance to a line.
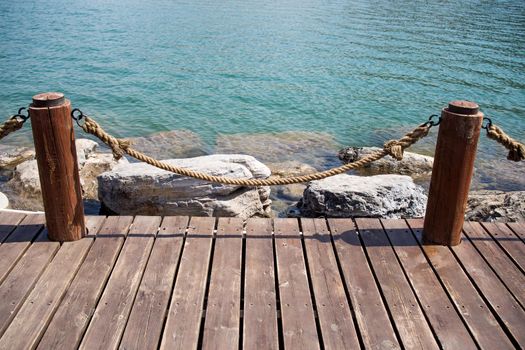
pixel 120 147
pixel 10 125
pixel 516 149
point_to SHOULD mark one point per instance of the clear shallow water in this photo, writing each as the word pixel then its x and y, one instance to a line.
pixel 360 70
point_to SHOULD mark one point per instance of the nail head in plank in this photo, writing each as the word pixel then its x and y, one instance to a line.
pixel 185 312
pixel 144 328
pixel 445 320
pixel 76 309
pixel 500 262
pixel 409 319
pixel 221 325
pixel 31 321
pixel 335 316
pixel 518 228
pixel 474 310
pixel 297 311
pixel 110 317
pixel 372 317
pixel 494 291
pixel 260 303
pixel 508 241
pixel 23 277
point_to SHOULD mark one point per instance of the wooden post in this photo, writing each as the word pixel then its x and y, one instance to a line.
pixel 57 166
pixel 456 147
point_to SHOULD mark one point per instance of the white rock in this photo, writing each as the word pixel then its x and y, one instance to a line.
pixel 138 188
pixel 25 183
pixel 11 156
pixel 411 164
pixel 381 196
pixel 4 201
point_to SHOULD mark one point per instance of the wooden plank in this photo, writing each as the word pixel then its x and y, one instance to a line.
pixel 144 327
pixel 297 311
pixel 76 309
pixel 8 223
pixel 500 262
pixel 475 312
pixel 444 319
pixel 335 317
pixel 221 325
pixel 29 324
pixel 16 244
pixel 260 300
pixel 409 319
pixel 513 245
pixel 500 299
pixel 110 317
pixel 518 228
pixel 185 313
pixel 23 277
pixel 372 317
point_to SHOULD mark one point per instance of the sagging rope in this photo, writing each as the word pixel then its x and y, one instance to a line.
pixel 516 149
pixel 395 148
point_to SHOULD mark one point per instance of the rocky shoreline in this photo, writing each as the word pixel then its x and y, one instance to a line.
pixel 383 189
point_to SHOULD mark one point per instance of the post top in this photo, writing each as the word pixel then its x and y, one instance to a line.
pixel 48 99
pixel 463 107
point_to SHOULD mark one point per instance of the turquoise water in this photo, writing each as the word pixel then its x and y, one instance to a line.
pixel 359 70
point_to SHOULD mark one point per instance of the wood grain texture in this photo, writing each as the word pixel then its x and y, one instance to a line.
pixel 222 322
pixel 8 223
pixel 500 299
pixel 372 317
pixel 16 244
pixel 500 262
pixel 440 311
pixel 475 312
pixel 297 311
pixel 452 171
pixel 335 316
pixel 112 312
pixel 29 324
pixel 410 321
pixel 76 309
pixel 144 327
pixel 511 244
pixel 518 228
pixel 185 312
pixel 23 277
pixel 260 303
pixel 58 169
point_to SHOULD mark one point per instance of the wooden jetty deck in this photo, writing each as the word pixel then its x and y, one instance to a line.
pixel 185 283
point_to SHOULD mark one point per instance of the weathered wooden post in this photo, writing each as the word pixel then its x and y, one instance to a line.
pixel 57 166
pixel 456 147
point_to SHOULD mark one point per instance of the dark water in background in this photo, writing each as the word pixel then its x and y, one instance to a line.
pixel 361 71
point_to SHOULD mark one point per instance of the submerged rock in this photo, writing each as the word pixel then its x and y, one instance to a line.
pixel 380 196
pixel 24 186
pixel 11 156
pixel 496 206
pixel 411 164
pixel 138 188
pixel 316 149
pixel 170 144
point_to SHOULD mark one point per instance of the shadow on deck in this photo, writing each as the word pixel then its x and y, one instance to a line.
pixel 148 282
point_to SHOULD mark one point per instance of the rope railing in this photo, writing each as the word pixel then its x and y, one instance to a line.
pixel 394 148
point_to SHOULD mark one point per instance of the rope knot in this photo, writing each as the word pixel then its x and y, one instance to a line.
pixel 394 148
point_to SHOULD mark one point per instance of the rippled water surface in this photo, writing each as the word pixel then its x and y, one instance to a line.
pixel 359 70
